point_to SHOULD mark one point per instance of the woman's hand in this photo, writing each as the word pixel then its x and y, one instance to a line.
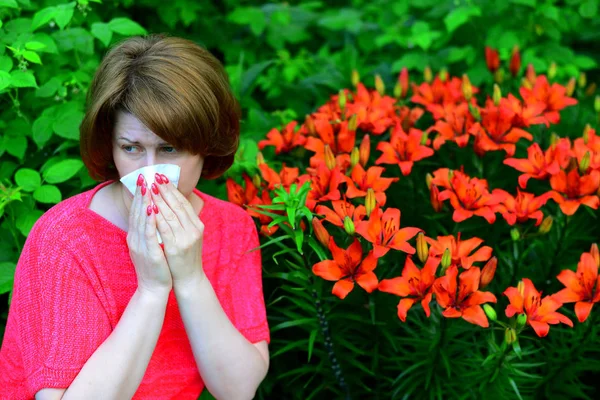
pixel 148 258
pixel 181 231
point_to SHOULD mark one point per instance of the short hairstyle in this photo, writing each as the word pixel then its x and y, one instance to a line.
pixel 176 88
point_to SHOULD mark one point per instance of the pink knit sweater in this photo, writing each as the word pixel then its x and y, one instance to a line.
pixel 74 279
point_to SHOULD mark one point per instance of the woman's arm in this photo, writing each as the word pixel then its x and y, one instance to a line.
pixel 231 367
pixel 117 367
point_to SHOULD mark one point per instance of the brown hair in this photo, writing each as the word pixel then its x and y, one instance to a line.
pixel 174 87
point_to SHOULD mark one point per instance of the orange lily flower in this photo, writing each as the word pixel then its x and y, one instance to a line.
pixel 375 113
pixel 403 149
pixel 285 177
pixel 383 230
pixel 582 287
pixel 590 144
pixel 346 268
pixel 460 250
pixel 264 220
pixel 525 114
pixel 496 132
pixel 554 97
pixel 462 298
pixel 408 117
pixel 360 181
pixel 539 164
pixel 285 140
pixel 523 207
pixel 341 210
pixel 571 190
pixel 439 93
pixel 456 125
pixel 492 59
pixel 340 143
pixel 469 196
pixel 324 184
pixel 239 195
pixel 540 312
pixel 414 285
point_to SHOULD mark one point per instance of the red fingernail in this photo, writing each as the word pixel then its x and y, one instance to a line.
pixel 154 188
pixel 149 210
pixel 164 178
pixel 158 178
pixel 140 180
pixel 155 208
pixel 143 190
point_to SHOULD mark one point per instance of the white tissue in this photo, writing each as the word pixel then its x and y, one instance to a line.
pixel 171 171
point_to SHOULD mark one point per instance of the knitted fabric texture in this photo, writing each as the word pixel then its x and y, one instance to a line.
pixel 75 277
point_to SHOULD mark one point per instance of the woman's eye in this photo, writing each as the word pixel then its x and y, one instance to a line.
pixel 169 149
pixel 128 149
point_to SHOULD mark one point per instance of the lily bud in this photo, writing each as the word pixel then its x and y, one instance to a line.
pixel 310 125
pixel 354 157
pixel 355 78
pixel 424 138
pixel 586 133
pixel 488 272
pixel 379 85
pixel 521 320
pixel 397 90
pixel 260 159
pixel 352 123
pixel 554 138
pixel 595 254
pixel 467 88
pixel 570 87
pixel 582 80
pixel 584 164
pixel 450 174
pixel 530 74
pixel 256 180
pixel 422 247
pixel 370 201
pixel 428 180
pixel 521 288
pixel 497 95
pixel 597 103
pixel 320 232
pixel 510 336
pixel 499 75
pixel 515 61
pixel 427 74
pixel 475 112
pixel 490 312
pixel 526 84
pixel 446 259
pixel 434 194
pixel 342 99
pixel 546 225
pixel 443 75
pixel 514 234
pixel 329 158
pixel 364 150
pixel 552 70
pixel 349 225
pixel 591 89
pixel 403 81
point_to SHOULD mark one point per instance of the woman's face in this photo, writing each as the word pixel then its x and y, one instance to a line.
pixel 135 146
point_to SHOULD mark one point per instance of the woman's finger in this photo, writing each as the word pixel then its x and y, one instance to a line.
pixel 180 205
pixel 134 216
pixel 170 215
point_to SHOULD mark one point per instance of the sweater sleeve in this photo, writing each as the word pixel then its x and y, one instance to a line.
pixel 60 320
pixel 246 288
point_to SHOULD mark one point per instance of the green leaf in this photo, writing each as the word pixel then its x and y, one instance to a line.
pixel 412 61
pixel 311 343
pixel 64 14
pixel 585 62
pixel 588 9
pixel 20 78
pixel 251 74
pixel 345 19
pixel 126 27
pixel 6 63
pixel 29 179
pixel 32 56
pixel 67 123
pixel 49 88
pixel 47 194
pixel 62 171
pixel 25 221
pixel 252 16
pixel 5 80
pixel 460 16
pixel 530 3
pixel 35 45
pixel 422 36
pixel 42 17
pixel 9 3
pixel 7 274
pixel 102 31
pixel 42 130
pixel 16 146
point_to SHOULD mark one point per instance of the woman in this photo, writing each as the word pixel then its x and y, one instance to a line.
pixel 99 308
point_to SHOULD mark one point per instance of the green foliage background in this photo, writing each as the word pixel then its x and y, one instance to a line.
pixel 284 59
